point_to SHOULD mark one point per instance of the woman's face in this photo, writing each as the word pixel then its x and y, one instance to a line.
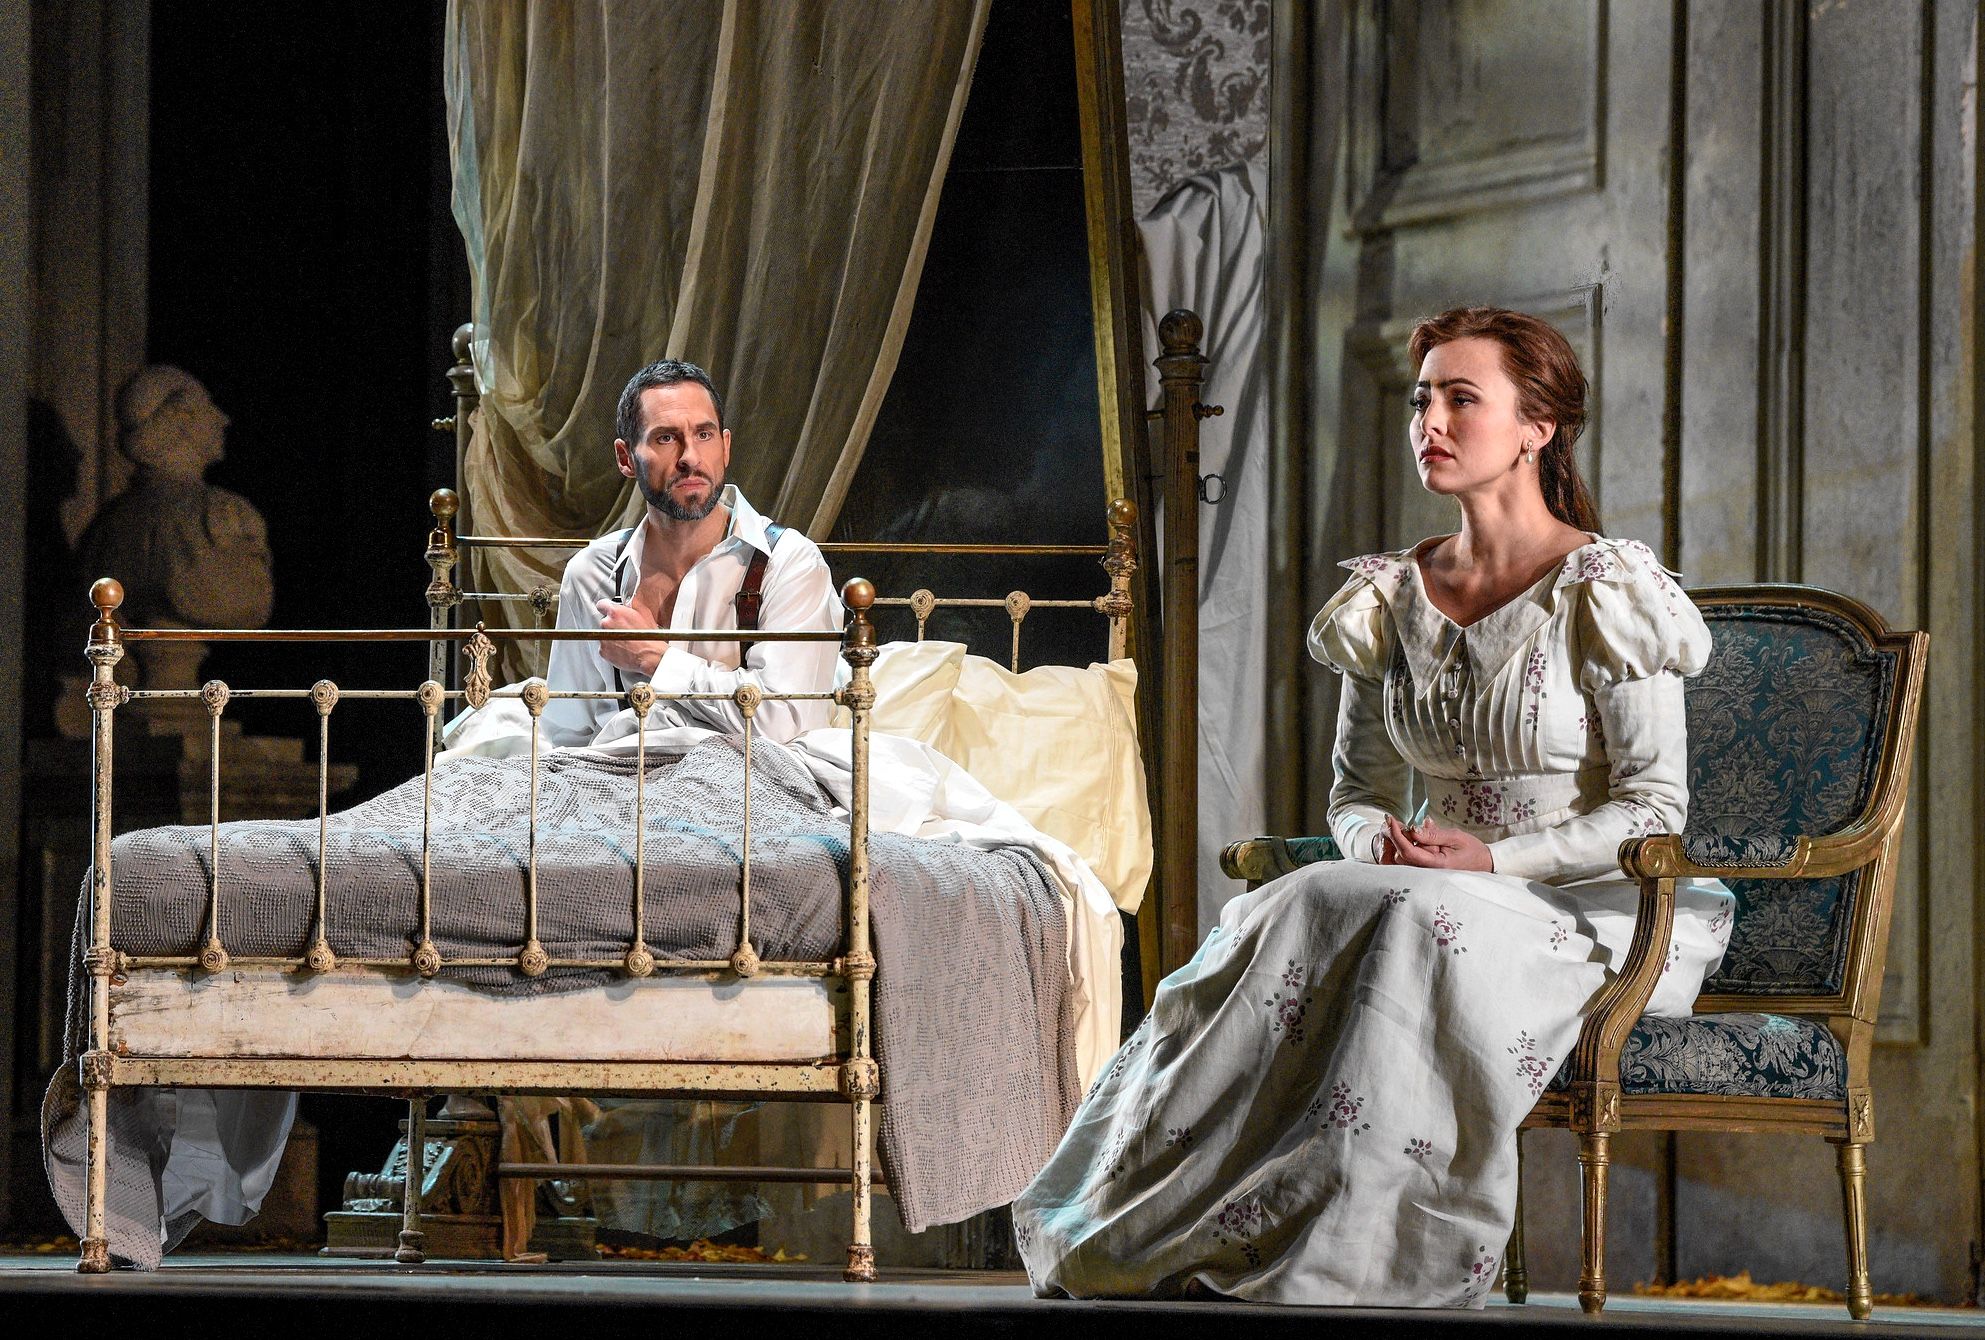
pixel 1466 433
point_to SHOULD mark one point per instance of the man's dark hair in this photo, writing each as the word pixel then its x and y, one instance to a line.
pixel 665 372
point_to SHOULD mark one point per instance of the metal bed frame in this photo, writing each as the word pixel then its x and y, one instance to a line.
pixel 849 1075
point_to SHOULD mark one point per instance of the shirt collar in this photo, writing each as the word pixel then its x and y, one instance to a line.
pixel 746 523
pixel 747 527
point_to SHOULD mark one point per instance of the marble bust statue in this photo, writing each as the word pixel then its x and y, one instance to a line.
pixel 189 553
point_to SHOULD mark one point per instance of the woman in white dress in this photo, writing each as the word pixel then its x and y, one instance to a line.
pixel 1321 1106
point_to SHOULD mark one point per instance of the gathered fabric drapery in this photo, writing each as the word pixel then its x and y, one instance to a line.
pixel 1205 247
pixel 749 185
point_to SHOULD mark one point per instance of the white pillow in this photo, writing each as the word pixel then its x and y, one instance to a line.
pixel 1060 745
pixel 913 684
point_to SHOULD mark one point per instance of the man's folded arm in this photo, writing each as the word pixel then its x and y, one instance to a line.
pixel 799 593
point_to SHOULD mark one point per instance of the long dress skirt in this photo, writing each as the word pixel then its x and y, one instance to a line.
pixel 1321 1106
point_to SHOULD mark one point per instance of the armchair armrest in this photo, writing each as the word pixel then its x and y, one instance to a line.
pixel 1713 856
pixel 1258 860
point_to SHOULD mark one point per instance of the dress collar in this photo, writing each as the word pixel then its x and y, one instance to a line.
pixel 1430 639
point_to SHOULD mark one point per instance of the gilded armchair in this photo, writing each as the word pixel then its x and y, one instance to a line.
pixel 1800 735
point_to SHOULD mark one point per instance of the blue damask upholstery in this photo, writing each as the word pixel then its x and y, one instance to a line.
pixel 1746 1055
pixel 1785 733
pixel 1756 850
pixel 1309 850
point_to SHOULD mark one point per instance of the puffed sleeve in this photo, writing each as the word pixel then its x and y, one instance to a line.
pixel 1351 635
pixel 1349 632
pixel 1638 636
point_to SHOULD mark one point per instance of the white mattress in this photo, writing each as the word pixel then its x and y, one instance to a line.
pixel 371 1013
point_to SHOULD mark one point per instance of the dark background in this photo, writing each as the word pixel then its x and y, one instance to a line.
pixel 305 266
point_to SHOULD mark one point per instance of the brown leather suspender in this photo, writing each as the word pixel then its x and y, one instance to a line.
pixel 749 597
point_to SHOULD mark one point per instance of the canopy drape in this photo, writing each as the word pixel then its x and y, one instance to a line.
pixel 749 185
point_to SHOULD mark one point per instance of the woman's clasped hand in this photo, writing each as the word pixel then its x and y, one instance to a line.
pixel 1432 846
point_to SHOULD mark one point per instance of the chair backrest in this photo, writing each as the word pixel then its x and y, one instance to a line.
pixel 1787 727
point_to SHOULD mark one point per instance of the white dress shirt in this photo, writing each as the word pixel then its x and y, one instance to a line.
pixel 798 592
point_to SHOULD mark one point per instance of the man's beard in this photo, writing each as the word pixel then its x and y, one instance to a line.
pixel 663 501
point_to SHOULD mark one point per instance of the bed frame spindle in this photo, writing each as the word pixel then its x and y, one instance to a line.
pixel 427 955
pixel 213 954
pixel 532 959
pixel 744 962
pixel 640 959
pixel 320 957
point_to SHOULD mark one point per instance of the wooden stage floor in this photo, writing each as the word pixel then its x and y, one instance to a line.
pixel 291 1297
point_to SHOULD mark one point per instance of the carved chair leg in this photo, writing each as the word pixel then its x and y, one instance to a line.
pixel 1853 1160
pixel 1516 1275
pixel 1595 1157
pixel 413 1242
pixel 861 1249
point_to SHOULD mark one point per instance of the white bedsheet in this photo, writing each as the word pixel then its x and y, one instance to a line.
pixel 915 791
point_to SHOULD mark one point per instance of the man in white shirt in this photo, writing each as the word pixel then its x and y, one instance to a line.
pixel 682 567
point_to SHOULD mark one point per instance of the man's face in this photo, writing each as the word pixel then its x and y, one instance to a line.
pixel 683 456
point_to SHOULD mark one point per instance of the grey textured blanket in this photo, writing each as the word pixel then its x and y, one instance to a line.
pixel 973 1027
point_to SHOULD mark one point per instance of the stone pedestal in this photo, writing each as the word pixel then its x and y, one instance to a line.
pixel 458 1203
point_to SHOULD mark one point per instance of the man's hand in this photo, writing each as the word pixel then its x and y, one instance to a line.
pixel 1433 846
pixel 640 657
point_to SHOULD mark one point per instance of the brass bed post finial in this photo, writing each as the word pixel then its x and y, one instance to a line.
pixel 1119 562
pixel 106 594
pixel 860 1080
pixel 96 1065
pixel 467 395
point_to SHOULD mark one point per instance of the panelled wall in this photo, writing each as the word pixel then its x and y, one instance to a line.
pixel 1755 220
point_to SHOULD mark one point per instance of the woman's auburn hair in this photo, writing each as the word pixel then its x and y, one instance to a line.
pixel 1542 365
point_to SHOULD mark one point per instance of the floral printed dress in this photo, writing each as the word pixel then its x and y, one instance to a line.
pixel 1321 1106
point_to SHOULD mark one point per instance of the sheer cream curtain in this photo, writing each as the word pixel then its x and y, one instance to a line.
pixel 749 184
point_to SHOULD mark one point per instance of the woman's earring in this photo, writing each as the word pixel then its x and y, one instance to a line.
pixel 1530 455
